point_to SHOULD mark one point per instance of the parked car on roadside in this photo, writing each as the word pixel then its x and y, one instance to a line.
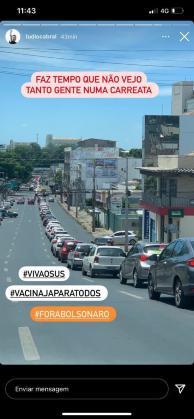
pixel 173 272
pixel 51 199
pixel 21 201
pixel 75 257
pixel 31 201
pixel 103 260
pixel 137 264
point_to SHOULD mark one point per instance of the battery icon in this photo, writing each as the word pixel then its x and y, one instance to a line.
pixel 177 10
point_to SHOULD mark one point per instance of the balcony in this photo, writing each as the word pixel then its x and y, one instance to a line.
pixel 182 200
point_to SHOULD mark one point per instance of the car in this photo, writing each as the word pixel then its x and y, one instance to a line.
pixel 12 214
pixel 31 201
pixel 51 199
pixel 68 245
pixel 21 201
pixel 7 205
pixel 46 220
pixel 103 260
pixel 103 241
pixel 59 243
pixel 75 257
pixel 58 236
pixel 173 272
pixel 137 264
pixel 55 231
pixel 119 238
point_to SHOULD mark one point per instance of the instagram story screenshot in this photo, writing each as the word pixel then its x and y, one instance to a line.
pixel 97 212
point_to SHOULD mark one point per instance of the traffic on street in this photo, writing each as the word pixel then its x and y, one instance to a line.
pixel 144 332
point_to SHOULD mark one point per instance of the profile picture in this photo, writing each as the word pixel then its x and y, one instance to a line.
pixel 12 36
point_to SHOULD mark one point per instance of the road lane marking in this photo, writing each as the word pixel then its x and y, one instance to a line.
pixel 6 261
pixel 8 279
pixel 5 269
pixel 28 345
pixel 131 295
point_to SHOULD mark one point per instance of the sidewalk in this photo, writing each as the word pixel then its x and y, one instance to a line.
pixel 85 220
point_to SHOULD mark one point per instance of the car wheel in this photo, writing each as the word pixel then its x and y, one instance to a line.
pixel 122 279
pixel 91 272
pixel 73 266
pixel 68 265
pixel 83 271
pixel 132 242
pixel 115 274
pixel 136 280
pixel 180 300
pixel 153 295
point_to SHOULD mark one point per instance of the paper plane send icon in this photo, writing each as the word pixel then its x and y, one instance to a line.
pixel 180 387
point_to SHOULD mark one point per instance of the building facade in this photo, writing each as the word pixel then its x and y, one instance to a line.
pixel 56 141
pixel 168 199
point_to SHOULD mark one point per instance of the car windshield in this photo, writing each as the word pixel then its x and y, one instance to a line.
pixel 154 249
pixel 110 252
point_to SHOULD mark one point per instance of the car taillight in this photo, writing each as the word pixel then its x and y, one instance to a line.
pixel 64 249
pixel 143 258
pixel 190 262
pixel 76 254
pixel 96 259
pixel 54 241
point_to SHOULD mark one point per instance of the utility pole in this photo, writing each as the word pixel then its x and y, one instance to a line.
pixel 126 207
pixel 94 197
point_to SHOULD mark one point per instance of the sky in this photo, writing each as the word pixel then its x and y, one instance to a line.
pixel 155 49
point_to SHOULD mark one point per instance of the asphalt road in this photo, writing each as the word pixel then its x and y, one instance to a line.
pixel 144 332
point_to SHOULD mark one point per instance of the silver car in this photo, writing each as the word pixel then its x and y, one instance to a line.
pixel 118 238
pixel 103 260
pixel 75 257
pixel 136 265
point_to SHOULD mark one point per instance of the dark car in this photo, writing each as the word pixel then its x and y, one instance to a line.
pixel 75 257
pixel 21 201
pixel 137 264
pixel 31 201
pixel 173 272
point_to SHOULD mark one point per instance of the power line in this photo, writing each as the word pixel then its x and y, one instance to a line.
pixel 97 61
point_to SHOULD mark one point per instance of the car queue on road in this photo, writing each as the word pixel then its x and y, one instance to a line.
pixel 144 263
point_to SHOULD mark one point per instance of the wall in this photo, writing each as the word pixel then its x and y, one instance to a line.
pixel 187 226
pixel 186 139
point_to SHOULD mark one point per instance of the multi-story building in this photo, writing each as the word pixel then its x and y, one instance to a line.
pixel 14 144
pixel 133 163
pixel 56 141
pixel 182 97
pixel 91 161
pixel 168 198
pixel 3 148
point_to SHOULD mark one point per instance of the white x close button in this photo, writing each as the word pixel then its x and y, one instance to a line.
pixel 184 37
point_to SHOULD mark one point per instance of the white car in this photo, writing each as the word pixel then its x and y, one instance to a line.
pixel 103 260
pixel 50 225
pixel 119 237
pixel 54 231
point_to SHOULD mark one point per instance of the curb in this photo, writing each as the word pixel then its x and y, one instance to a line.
pixel 77 221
